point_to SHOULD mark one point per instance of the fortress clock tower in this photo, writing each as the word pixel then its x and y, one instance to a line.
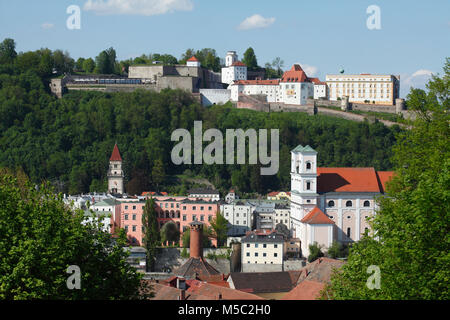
pixel 115 173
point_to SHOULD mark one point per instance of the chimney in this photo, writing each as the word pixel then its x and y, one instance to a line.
pixel 181 284
pixel 196 248
pixel 182 295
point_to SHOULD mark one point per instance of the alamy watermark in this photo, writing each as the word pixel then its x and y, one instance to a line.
pixel 74 20
pixel 374 20
pixel 374 281
pixel 74 281
pixel 213 153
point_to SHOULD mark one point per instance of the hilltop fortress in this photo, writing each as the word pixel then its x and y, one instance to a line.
pixel 247 89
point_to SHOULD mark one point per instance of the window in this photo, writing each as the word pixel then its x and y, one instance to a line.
pixel 256 254
pixel 184 207
pixel 209 208
pixel 275 254
pixel 194 218
pixel 171 205
pixel 134 228
pixel 331 203
pixel 201 208
pixel 348 232
pixel 209 218
pixel 194 208
pixel 256 245
pixel 348 203
pixel 264 245
pixel 248 245
pixel 126 217
pixel 264 254
pixel 202 218
pixel 248 254
pixel 308 186
pixel 275 246
pixel 184 217
pixel 126 207
pixel 308 166
pixel 126 228
pixel 367 203
pixel 134 217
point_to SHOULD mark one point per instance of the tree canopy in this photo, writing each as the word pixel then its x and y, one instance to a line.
pixel 40 238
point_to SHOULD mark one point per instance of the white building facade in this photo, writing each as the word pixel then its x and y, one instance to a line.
pixel 364 88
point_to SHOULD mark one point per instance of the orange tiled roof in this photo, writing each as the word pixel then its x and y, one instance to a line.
pixel 115 156
pixel 383 177
pixel 317 81
pixel 238 64
pixel 296 74
pixel 193 58
pixel 273 193
pixel 347 180
pixel 306 290
pixel 316 216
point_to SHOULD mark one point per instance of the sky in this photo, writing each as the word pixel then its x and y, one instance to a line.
pixel 412 39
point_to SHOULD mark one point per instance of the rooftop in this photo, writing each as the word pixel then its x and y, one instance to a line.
pixel 262 282
pixel 115 156
pixel 305 290
pixel 316 216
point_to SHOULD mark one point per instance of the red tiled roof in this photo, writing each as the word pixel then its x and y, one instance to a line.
pixel 165 292
pixel 296 74
pixel 316 216
pixel 213 291
pixel 238 64
pixel 148 193
pixel 316 81
pixel 273 193
pixel 258 82
pixel 115 156
pixel 306 290
pixel 347 180
pixel 383 177
pixel 193 58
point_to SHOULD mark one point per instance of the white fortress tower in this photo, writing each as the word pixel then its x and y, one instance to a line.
pixel 234 69
pixel 115 172
pixel 230 58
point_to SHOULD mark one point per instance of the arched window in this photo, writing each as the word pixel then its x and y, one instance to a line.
pixel 308 166
pixel 367 203
pixel 348 203
pixel 331 203
pixel 167 214
pixel 308 185
pixel 348 232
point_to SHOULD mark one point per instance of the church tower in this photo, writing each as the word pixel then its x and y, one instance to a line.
pixel 303 186
pixel 115 173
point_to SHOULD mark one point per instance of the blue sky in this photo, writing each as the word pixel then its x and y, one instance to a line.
pixel 322 36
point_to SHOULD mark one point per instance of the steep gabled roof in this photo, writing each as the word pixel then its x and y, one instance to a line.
pixel 296 74
pixel 115 156
pixel 301 148
pixel 316 216
pixel 193 58
pixel 196 268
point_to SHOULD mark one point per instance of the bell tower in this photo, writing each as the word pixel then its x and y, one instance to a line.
pixel 115 173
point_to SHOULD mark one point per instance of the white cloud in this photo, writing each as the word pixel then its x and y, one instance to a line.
pixel 416 80
pixel 256 21
pixel 137 7
pixel 47 25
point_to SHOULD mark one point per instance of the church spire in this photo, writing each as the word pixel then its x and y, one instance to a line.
pixel 115 156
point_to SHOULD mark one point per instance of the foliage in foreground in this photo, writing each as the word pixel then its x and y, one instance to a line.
pixel 40 238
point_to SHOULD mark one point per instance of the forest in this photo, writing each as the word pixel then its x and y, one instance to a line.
pixel 68 141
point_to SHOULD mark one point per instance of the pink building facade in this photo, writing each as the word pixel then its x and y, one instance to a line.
pixel 179 210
